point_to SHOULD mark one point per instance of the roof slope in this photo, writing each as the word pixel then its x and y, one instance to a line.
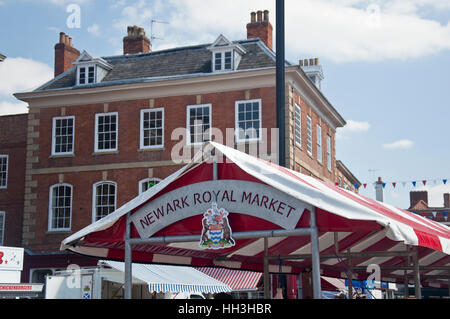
pixel 173 62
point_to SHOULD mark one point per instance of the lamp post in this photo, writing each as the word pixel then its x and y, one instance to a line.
pixel 280 79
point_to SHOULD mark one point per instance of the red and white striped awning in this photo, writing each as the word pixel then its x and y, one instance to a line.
pixel 235 279
pixel 359 224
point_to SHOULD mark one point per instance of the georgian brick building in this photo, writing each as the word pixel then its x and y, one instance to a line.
pixel 104 129
pixel 13 142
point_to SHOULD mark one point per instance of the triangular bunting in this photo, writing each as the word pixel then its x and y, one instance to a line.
pixel 414 183
pixel 424 182
pixel 393 184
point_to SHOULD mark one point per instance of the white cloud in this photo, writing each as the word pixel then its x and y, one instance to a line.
pixel 352 127
pixel 341 30
pixel 94 29
pixel 355 126
pixel 401 144
pixel 8 108
pixel 19 74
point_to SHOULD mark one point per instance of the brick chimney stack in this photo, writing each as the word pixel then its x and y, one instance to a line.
pixel 65 54
pixel 446 200
pixel 260 27
pixel 415 197
pixel 136 41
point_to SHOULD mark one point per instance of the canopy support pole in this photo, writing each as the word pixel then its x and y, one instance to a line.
pixel 350 276
pixel 406 279
pixel 128 259
pixel 418 291
pixel 315 256
pixel 266 270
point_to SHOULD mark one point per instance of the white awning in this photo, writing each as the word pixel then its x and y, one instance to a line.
pixel 161 278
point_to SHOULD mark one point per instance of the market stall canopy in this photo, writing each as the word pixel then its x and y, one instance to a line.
pixel 230 192
pixel 238 280
pixel 162 278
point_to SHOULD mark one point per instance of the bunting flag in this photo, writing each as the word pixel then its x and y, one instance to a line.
pixel 434 214
pixel 404 183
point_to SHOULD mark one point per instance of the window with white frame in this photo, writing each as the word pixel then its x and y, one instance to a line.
pixel 309 135
pixel 106 132
pixel 248 120
pixel 104 199
pixel 329 152
pixel 3 171
pixel 63 135
pixel 298 125
pixel 2 228
pixel 60 207
pixel 319 143
pixel 152 128
pixel 198 123
pixel 223 61
pixel 147 183
pixel 86 75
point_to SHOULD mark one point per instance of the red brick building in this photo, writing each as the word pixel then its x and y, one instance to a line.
pixel 419 204
pixel 105 128
pixel 13 142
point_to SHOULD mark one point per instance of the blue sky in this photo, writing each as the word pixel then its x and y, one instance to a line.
pixel 385 62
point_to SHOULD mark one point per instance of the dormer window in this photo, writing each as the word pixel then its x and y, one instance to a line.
pixel 91 70
pixel 223 61
pixel 86 75
pixel 226 55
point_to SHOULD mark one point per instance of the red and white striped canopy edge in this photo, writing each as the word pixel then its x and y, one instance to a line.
pixel 362 225
pixel 235 279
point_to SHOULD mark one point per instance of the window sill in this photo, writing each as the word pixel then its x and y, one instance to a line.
pixel 58 232
pixel 61 156
pixel 156 149
pixel 105 153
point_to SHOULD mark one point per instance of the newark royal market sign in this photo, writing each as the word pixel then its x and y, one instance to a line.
pixel 216 201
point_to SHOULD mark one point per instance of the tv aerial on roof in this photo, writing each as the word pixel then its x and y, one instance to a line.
pixel 152 33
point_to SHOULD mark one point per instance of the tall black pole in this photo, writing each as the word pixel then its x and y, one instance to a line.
pixel 281 93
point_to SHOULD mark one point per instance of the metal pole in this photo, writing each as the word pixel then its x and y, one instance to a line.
pixel 280 79
pixel 315 256
pixel 406 279
pixel 266 270
pixel 128 260
pixel 350 277
pixel 418 291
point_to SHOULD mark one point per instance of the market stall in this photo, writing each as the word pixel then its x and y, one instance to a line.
pixel 229 209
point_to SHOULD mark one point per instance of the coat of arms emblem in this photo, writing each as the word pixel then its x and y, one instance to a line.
pixel 216 233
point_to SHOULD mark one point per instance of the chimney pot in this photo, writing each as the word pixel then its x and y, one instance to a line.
pixel 61 37
pixel 300 63
pixel 306 62
pixel 260 13
pixel 311 61
pixel 316 61
pixel 259 28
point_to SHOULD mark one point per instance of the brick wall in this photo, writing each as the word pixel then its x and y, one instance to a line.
pixel 13 135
